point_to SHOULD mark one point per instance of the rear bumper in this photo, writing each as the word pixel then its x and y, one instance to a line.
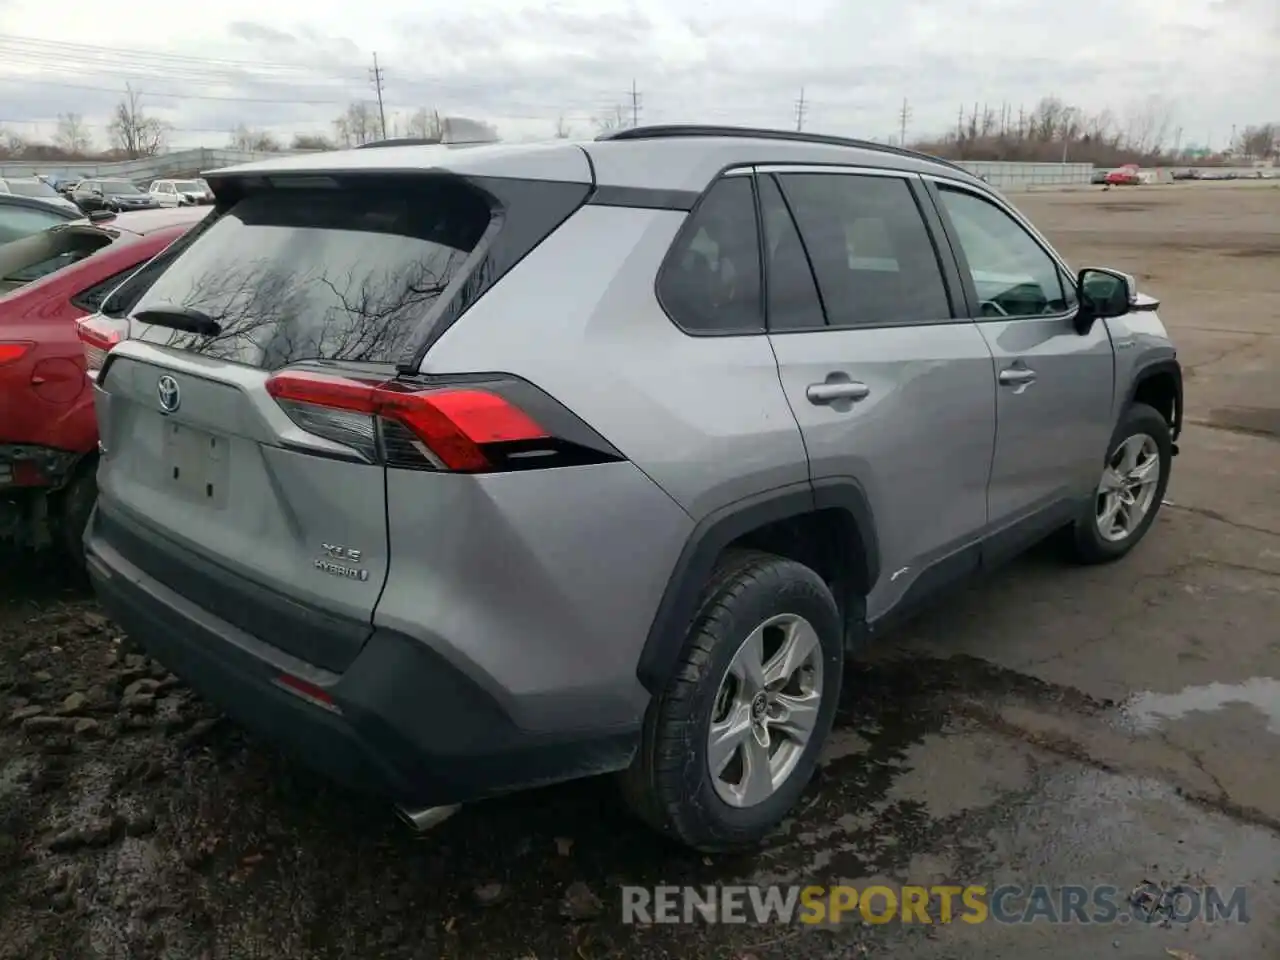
pixel 408 725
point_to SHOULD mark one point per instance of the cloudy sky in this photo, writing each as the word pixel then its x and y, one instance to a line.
pixel 290 67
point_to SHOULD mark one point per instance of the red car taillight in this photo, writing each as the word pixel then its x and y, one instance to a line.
pixel 97 336
pixel 12 351
pixel 466 429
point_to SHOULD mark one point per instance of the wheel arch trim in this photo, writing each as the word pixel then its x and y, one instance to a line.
pixel 661 651
pixel 1152 369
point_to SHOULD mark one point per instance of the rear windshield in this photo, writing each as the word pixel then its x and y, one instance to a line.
pixel 188 186
pixel 31 188
pixel 118 187
pixel 327 274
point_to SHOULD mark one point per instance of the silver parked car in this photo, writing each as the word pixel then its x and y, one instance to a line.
pixel 458 471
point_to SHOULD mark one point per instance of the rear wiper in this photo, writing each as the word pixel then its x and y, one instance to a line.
pixel 187 319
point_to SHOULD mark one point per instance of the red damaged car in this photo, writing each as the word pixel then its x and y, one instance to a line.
pixel 48 434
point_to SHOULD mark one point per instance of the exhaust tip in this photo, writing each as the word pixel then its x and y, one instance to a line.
pixel 424 818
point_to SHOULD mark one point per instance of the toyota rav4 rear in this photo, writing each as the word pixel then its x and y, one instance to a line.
pixel 363 562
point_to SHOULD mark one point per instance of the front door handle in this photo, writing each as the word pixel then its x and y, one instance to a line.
pixel 820 393
pixel 1016 376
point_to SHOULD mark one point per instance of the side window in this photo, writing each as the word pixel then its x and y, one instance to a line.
pixel 710 280
pixel 792 300
pixel 92 298
pixel 1013 275
pixel 871 251
pixel 19 222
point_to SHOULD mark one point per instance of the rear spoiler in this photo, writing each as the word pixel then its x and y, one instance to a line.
pixel 455 131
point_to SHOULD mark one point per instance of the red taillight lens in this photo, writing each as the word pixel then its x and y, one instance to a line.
pixel 12 352
pixel 97 336
pixel 448 427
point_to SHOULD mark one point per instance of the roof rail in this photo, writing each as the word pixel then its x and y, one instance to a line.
pixel 663 131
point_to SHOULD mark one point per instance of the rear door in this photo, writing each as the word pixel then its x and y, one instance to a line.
pixel 1054 385
pixel 888 386
pixel 207 483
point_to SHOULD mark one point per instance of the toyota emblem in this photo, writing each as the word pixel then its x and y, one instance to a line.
pixel 167 391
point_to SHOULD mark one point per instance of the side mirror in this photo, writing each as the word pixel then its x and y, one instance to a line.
pixel 1108 293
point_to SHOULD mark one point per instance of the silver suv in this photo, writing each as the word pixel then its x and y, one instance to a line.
pixel 460 470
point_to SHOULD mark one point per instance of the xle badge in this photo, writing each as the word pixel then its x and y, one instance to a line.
pixel 340 561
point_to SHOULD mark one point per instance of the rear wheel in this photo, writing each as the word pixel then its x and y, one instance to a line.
pixel 731 742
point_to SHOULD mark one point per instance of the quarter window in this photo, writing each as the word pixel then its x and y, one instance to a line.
pixel 710 281
pixel 871 252
pixel 1013 275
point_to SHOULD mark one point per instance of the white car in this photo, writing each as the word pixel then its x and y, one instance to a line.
pixel 181 193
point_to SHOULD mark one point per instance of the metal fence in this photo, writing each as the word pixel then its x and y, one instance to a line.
pixel 1007 175
pixel 177 163
pixel 1001 174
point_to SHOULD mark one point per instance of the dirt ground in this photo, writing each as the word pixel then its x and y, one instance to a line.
pixel 1052 725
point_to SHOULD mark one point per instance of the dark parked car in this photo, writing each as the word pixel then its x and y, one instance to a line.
pixel 23 216
pixel 114 195
pixel 37 188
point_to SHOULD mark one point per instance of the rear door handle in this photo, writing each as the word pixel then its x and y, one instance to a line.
pixel 1013 376
pixel 820 393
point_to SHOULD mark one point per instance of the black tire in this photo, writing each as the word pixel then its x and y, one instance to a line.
pixel 1087 545
pixel 75 503
pixel 669 784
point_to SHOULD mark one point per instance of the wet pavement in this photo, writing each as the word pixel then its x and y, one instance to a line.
pixel 1070 727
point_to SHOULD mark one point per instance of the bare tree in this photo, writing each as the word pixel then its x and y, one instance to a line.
pixel 12 145
pixel 615 119
pixel 1261 142
pixel 311 141
pixel 133 132
pixel 563 131
pixel 259 141
pixel 73 135
pixel 358 124
pixel 424 125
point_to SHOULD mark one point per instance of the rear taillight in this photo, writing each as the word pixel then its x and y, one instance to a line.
pixel 13 351
pixel 97 336
pixel 461 428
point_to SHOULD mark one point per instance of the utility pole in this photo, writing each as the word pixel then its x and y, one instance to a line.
pixel 635 105
pixel 375 77
pixel 801 109
pixel 960 124
pixel 903 116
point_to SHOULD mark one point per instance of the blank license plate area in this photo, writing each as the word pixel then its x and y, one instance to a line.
pixel 195 465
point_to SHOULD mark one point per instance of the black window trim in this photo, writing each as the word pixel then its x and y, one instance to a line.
pixel 116 280
pixel 952 277
pixel 764 257
pixel 934 185
pixel 733 171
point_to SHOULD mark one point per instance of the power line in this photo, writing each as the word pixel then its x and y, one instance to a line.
pixel 801 109
pixel 375 77
pixel 63 48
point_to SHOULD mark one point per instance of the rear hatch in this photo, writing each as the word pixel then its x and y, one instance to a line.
pixel 218 477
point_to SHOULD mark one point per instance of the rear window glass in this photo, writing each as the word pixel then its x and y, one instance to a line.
pixel 320 274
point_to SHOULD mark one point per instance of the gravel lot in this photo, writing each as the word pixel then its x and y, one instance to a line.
pixel 1051 725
